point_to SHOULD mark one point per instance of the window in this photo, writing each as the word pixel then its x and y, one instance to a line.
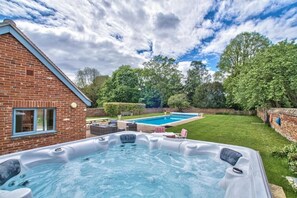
pixel 33 121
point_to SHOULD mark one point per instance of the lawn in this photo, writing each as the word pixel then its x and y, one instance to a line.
pixel 248 131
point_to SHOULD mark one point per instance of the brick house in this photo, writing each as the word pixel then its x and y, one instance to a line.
pixel 39 105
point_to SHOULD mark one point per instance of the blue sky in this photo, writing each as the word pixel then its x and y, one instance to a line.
pixel 106 34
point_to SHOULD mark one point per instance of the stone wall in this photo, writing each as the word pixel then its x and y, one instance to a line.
pixel 288 121
pixel 26 83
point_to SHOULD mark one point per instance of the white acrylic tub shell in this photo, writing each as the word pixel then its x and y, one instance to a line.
pixel 251 183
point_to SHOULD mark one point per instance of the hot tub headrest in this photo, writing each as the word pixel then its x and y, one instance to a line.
pixel 230 156
pixel 128 138
pixel 9 169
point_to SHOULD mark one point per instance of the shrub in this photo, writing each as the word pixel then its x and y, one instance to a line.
pixel 178 101
pixel 290 152
pixel 115 108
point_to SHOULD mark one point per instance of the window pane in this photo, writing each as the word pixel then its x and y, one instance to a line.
pixel 40 120
pixel 24 120
pixel 50 119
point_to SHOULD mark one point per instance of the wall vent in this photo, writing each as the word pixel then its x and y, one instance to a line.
pixel 30 72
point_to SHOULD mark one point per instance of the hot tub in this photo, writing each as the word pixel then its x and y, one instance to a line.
pixel 134 164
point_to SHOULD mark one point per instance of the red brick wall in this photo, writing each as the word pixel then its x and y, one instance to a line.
pixel 288 116
pixel 288 127
pixel 43 89
pixel 99 112
pixel 219 111
pixel 153 110
pixel 96 112
pixel 262 113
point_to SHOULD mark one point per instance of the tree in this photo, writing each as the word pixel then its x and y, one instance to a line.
pixel 160 75
pixel 86 76
pixel 237 57
pixel 151 97
pixel 93 89
pixel 90 82
pixel 240 50
pixel 178 101
pixel 209 95
pixel 271 80
pixel 123 86
pixel 196 75
pixel 218 76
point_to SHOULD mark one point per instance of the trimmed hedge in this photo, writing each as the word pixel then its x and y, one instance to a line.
pixel 115 108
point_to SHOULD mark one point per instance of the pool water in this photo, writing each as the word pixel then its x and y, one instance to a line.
pixel 160 120
pixel 128 170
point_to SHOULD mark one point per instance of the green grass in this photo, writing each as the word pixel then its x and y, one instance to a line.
pixel 130 117
pixel 245 131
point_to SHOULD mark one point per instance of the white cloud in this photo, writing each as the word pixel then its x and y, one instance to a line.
pixel 241 10
pixel 276 29
pixel 184 66
pixel 81 32
pixel 106 34
pixel 211 72
pixel 204 62
pixel 223 37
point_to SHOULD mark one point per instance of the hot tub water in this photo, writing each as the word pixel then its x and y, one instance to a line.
pixel 126 170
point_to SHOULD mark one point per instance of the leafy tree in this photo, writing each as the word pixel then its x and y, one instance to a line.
pixel 90 82
pixel 218 76
pixel 92 90
pixel 237 57
pixel 196 75
pixel 86 76
pixel 209 95
pixel 240 50
pixel 178 101
pixel 160 75
pixel 150 97
pixel 123 86
pixel 271 80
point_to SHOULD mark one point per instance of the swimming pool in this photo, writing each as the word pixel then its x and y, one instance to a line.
pixel 134 164
pixel 166 119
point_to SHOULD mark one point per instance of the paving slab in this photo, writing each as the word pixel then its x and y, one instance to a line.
pixel 277 191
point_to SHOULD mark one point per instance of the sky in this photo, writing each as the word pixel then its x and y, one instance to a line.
pixel 107 34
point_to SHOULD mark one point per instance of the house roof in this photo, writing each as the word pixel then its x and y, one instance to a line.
pixel 8 26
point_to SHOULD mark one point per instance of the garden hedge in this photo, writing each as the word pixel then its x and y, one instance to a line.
pixel 115 108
